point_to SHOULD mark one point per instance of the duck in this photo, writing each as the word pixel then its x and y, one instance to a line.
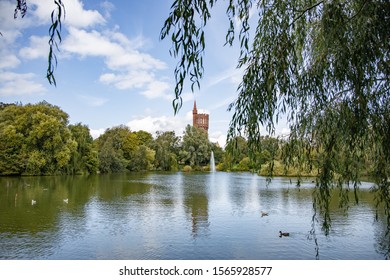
pixel 33 202
pixel 283 233
pixel 66 200
pixel 264 213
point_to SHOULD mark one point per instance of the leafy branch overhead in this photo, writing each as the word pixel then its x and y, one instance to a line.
pixel 188 42
pixel 55 37
pixel 323 65
pixel 57 15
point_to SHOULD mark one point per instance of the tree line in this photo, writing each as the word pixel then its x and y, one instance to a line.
pixel 37 139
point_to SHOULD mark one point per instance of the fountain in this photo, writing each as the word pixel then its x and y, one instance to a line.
pixel 212 162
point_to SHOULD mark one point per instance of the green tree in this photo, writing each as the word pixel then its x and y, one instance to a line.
pixel 144 138
pixel 142 159
pixel 237 150
pixel 196 148
pixel 166 146
pixel 85 158
pixel 323 64
pixel 116 147
pixel 35 139
pixel 111 159
pixel 121 149
pixel 11 141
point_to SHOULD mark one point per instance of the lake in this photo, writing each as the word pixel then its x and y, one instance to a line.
pixel 181 216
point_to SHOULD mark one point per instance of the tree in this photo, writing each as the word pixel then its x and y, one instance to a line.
pixel 144 137
pixel 166 146
pixel 115 148
pixel 35 139
pixel 323 64
pixel 196 148
pixel 85 158
pixel 121 149
pixel 142 159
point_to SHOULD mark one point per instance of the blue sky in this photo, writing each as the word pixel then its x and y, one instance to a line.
pixel 112 67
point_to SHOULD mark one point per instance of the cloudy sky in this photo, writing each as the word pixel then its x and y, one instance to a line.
pixel 112 67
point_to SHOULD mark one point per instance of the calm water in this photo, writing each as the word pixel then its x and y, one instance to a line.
pixel 179 216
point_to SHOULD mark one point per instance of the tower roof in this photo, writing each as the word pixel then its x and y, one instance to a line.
pixel 194 110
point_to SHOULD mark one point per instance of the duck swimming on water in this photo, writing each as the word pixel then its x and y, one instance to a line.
pixel 264 213
pixel 283 233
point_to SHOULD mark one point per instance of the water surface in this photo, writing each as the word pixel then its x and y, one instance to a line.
pixel 180 216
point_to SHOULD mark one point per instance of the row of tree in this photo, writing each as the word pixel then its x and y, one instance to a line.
pixel 38 140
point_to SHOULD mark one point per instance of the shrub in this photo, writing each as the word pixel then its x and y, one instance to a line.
pixel 187 168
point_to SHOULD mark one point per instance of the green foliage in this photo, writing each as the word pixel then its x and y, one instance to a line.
pixel 237 149
pixel 34 139
pixel 187 168
pixel 166 146
pixel 144 138
pixel 116 146
pixel 121 149
pixel 111 159
pixel 188 42
pixel 84 160
pixel 323 64
pixel 142 159
pixel 196 148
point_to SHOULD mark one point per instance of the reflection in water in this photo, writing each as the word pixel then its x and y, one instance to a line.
pixel 326 199
pixel 185 216
pixel 196 203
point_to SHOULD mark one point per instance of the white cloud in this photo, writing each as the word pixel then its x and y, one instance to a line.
pixel 38 48
pixel 224 103
pixel 108 7
pixel 130 67
pixel 218 137
pixel 91 43
pixel 93 101
pixel 95 133
pixel 75 14
pixel 233 76
pixel 14 84
pixel 133 59
pixel 128 80
pixel 161 123
pixel 158 89
pixel 164 123
pixel 8 61
pixel 119 52
pixel 10 27
pixel 187 96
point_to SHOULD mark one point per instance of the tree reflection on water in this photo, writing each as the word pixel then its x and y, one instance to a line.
pixel 325 194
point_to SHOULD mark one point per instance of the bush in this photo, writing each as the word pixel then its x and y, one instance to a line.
pixel 187 168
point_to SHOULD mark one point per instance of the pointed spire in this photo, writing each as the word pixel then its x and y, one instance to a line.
pixel 194 110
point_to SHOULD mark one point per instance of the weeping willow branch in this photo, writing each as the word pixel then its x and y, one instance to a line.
pixel 57 16
pixel 303 12
pixel 21 7
pixel 55 37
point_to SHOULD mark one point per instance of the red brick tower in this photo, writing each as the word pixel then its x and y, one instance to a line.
pixel 200 120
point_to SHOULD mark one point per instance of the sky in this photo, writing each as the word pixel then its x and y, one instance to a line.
pixel 113 69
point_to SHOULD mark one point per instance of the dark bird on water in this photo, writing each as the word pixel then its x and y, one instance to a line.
pixel 283 233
